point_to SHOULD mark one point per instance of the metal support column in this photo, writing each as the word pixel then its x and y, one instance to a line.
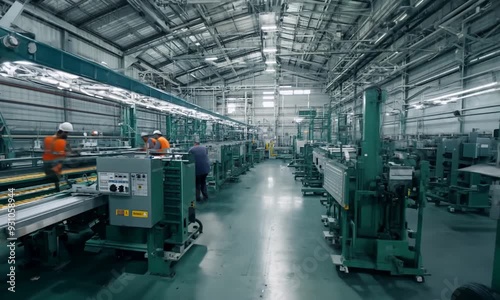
pixel 11 15
pixel 371 136
pixel 129 125
pixel 403 115
pixel 354 108
pixel 465 32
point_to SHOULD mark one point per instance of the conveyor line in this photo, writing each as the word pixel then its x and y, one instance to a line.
pixel 21 193
pixel 48 211
pixel 41 175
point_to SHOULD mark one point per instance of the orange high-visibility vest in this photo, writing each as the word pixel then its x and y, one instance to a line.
pixel 163 142
pixel 54 149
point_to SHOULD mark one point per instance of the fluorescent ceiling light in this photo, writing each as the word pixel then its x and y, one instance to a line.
pixel 104 63
pixel 270 70
pixel 418 3
pixel 301 92
pixel 268 97
pixel 437 76
pixel 298 120
pixel 22 62
pixel 197 44
pixel 285 86
pixel 98 97
pixel 289 92
pixel 268 104
pixel 485 56
pixel 231 98
pixel 211 58
pixel 64 85
pixel 49 80
pixel 270 50
pixel 454 99
pixel 270 62
pixel 268 93
pixel 463 92
pixel 404 16
pixel 271 27
pixel 381 37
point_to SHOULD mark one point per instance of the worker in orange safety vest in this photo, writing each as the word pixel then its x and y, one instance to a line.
pixel 149 142
pixel 162 143
pixel 56 149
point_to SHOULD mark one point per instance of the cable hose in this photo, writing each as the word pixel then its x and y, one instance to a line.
pixel 200 224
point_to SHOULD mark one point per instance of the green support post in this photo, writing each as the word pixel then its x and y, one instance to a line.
pixel 310 134
pixel 495 284
pixel 299 131
pixel 329 125
pixel 157 265
pixel 129 125
pixel 372 165
pixel 6 148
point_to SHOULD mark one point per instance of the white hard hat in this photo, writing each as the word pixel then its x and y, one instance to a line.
pixel 66 126
pixel 144 134
pixel 156 132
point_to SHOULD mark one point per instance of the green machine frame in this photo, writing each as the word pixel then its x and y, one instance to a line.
pixel 168 239
pixel 368 210
pixel 462 190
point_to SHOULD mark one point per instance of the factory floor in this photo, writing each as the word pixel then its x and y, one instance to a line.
pixel 263 240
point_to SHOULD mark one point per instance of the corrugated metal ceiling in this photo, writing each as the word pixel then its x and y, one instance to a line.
pixel 176 39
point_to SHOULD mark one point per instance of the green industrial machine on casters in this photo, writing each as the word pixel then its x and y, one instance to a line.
pixel 151 208
pixel 462 190
pixel 368 219
pixel 477 291
pixel 312 180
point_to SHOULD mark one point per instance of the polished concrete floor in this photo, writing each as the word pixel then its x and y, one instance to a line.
pixel 263 240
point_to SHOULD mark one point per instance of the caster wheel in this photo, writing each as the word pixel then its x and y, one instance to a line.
pixel 451 209
pixel 471 291
pixel 420 279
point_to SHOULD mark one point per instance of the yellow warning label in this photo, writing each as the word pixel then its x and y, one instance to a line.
pixel 123 212
pixel 139 214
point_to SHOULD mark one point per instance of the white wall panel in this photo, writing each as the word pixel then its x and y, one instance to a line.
pixel 44 33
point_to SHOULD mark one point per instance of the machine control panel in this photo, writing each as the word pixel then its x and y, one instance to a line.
pixel 139 184
pixel 114 183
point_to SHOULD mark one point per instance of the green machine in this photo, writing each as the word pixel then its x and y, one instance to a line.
pixel 151 208
pixel 249 154
pixel 312 180
pixel 474 290
pixel 368 213
pixel 462 190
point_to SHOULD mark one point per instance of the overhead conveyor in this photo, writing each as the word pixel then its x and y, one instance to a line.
pixel 66 71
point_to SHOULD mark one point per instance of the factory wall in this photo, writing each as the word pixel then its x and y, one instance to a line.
pixel 443 75
pixel 286 106
pixel 56 38
pixel 32 111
